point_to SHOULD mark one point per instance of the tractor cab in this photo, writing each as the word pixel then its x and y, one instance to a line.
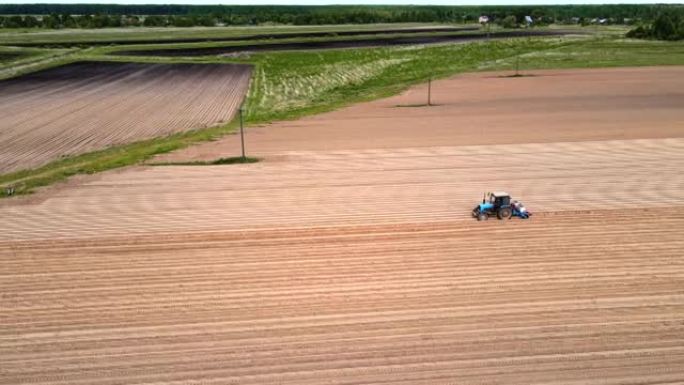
pixel 497 203
pixel 500 199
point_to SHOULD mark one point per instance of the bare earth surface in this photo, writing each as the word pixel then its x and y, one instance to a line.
pixel 88 106
pixel 485 108
pixel 361 265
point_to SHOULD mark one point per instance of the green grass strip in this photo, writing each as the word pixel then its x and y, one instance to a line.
pixel 26 181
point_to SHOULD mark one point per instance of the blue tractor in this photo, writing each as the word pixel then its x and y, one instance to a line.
pixel 500 205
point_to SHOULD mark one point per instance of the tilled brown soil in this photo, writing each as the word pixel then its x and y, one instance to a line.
pixel 336 44
pixel 485 108
pixel 589 298
pixel 352 187
pixel 358 265
pixel 88 106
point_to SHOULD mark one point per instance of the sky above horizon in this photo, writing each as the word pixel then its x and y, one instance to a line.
pixel 343 2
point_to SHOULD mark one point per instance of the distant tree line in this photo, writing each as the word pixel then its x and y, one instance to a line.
pixel 669 25
pixel 57 21
pixel 118 15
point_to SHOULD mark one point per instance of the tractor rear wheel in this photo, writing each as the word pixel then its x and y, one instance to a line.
pixel 482 217
pixel 504 213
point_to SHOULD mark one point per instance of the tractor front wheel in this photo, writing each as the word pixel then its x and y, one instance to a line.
pixel 504 213
pixel 482 217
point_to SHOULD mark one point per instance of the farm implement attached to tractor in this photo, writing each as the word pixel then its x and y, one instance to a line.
pixel 500 205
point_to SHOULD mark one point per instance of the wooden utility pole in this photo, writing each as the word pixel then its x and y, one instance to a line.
pixel 242 135
pixel 429 102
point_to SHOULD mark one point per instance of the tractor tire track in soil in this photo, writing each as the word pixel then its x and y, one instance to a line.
pixel 89 106
pixel 594 297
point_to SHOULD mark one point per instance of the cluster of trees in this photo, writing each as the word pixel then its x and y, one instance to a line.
pixel 115 15
pixel 667 26
pixel 56 21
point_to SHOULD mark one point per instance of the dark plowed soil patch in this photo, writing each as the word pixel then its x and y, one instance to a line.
pixel 315 45
pixel 89 106
pixel 289 35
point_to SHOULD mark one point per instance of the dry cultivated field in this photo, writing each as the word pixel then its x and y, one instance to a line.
pixel 487 108
pixel 88 106
pixel 358 263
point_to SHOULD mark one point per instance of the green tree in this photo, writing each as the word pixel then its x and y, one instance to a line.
pixel 206 21
pixel 31 22
pixel 51 21
pixel 664 28
pixel 14 22
pixel 639 32
pixel 154 21
pixel 99 21
pixel 114 21
pixel 181 21
pixel 131 21
pixel 509 22
pixel 101 15
pixel 537 14
pixel 69 21
pixel 85 21
pixel 667 26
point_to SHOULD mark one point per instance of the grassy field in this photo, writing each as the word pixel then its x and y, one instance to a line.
pixel 41 58
pixel 288 85
pixel 32 59
pixel 9 55
pixel 597 53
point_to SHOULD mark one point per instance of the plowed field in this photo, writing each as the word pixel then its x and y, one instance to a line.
pixel 358 265
pixel 88 106
pixel 259 36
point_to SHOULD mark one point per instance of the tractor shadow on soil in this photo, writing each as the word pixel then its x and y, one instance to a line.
pixel 515 76
pixel 418 105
